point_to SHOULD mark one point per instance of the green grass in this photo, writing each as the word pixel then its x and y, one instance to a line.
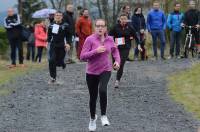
pixel 184 87
pixel 7 75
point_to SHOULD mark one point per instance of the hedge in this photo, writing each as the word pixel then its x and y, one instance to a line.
pixel 3 42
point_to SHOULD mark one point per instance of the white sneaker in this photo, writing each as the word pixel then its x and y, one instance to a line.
pixel 105 121
pixel 52 81
pixel 116 84
pixel 92 125
pixel 170 57
pixel 178 57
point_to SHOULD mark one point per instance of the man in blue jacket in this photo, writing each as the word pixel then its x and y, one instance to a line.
pixel 174 24
pixel 156 24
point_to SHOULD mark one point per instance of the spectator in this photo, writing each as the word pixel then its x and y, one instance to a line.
pixel 69 18
pixel 83 29
pixel 40 39
pixel 174 24
pixel 156 24
pixel 192 18
pixel 31 44
pixel 12 24
pixel 139 24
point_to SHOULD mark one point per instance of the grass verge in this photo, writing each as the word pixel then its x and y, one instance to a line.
pixel 184 88
pixel 7 75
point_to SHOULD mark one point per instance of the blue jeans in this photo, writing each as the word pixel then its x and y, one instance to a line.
pixel 175 40
pixel 161 35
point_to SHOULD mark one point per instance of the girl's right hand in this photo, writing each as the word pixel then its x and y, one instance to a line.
pixel 101 49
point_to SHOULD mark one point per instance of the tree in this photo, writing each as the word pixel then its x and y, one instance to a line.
pixel 59 4
pixel 29 7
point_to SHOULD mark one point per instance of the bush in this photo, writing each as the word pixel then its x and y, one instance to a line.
pixel 3 42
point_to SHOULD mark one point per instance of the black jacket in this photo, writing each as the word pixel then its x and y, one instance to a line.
pixel 62 37
pixel 69 18
pixel 192 17
pixel 138 22
pixel 13 26
pixel 127 32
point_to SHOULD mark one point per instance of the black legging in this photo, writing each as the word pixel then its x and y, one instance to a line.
pixel 124 56
pixel 97 84
pixel 39 54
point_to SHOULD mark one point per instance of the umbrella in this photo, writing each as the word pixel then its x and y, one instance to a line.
pixel 43 13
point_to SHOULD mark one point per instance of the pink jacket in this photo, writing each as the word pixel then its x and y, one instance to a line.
pixel 40 36
pixel 99 62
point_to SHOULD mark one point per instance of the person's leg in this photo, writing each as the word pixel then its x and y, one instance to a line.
pixel 103 83
pixel 28 51
pixel 143 51
pixel 163 41
pixel 123 55
pixel 52 62
pixel 136 53
pixel 81 42
pixel 92 83
pixel 178 39
pixel 20 51
pixel 197 40
pixel 60 57
pixel 36 58
pixel 172 42
pixel 40 53
pixel 13 51
pixel 154 38
pixel 70 52
pixel 33 52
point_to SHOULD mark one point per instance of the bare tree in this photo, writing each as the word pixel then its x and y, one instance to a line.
pixel 59 4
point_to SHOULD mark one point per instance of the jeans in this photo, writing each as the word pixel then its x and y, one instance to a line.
pixel 161 35
pixel 175 41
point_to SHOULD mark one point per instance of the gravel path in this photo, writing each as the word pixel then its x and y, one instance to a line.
pixel 140 105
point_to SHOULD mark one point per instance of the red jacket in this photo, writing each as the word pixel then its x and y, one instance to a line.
pixel 84 26
pixel 40 36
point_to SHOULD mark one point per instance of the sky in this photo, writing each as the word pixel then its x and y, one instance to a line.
pixel 6 4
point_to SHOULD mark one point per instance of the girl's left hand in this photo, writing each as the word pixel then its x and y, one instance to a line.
pixel 116 66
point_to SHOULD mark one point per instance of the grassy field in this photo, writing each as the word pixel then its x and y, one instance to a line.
pixel 7 75
pixel 184 87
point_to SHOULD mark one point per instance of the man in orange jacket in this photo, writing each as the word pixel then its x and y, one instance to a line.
pixel 83 29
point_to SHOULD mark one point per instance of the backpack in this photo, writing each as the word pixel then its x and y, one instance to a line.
pixel 31 39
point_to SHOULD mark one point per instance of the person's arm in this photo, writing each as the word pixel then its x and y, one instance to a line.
pixel 18 22
pixel 164 21
pixel 68 35
pixel 169 21
pixel 149 22
pixel 115 53
pixel 134 22
pixel 144 23
pixel 86 52
pixel 6 25
pixel 78 27
pixel 49 37
pixel 136 35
